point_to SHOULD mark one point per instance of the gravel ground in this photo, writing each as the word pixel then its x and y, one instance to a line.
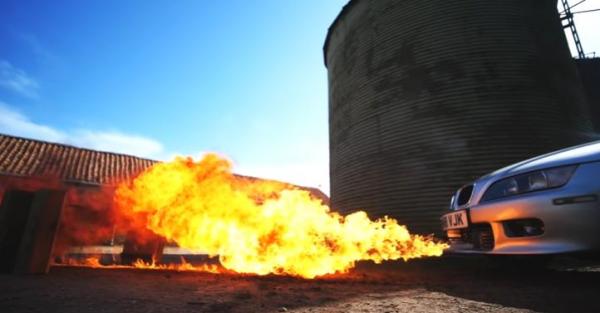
pixel 449 284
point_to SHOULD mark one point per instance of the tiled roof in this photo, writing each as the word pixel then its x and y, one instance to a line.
pixel 28 157
pixel 36 158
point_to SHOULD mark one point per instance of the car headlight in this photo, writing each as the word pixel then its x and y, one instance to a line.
pixel 534 181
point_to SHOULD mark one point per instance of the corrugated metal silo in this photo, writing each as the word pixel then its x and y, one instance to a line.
pixel 426 95
pixel 589 71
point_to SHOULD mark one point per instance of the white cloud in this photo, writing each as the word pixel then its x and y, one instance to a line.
pixel 116 142
pixel 15 123
pixel 309 174
pixel 16 80
pixel 306 172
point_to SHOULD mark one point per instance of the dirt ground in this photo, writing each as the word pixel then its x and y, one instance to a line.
pixel 448 284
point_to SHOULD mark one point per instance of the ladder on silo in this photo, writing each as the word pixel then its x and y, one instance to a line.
pixel 568 16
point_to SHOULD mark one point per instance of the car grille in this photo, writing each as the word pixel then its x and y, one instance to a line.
pixel 482 237
pixel 479 236
pixel 464 195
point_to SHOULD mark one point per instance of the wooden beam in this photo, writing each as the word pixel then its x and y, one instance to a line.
pixel 40 231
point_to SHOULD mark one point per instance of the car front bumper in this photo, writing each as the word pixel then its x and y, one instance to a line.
pixel 570 216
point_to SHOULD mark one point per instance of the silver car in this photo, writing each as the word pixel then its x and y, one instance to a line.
pixel 545 205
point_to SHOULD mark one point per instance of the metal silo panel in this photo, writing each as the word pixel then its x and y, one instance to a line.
pixel 589 70
pixel 426 95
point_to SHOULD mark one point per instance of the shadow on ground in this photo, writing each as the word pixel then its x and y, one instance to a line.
pixel 449 284
pixel 556 287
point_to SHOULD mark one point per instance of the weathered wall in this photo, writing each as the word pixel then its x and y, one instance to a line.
pixel 86 218
pixel 426 95
pixel 28 227
pixel 589 70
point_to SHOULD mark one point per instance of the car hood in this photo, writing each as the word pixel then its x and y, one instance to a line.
pixel 588 152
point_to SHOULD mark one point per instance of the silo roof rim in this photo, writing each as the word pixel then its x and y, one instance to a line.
pixel 342 13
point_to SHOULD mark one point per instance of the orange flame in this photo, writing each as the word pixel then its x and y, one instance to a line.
pixel 183 266
pixel 258 226
pixel 94 262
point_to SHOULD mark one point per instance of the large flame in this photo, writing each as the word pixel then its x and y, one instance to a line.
pixel 258 226
pixel 183 266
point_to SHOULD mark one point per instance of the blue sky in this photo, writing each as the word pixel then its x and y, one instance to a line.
pixel 158 78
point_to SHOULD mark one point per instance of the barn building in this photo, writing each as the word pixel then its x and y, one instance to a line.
pixel 44 184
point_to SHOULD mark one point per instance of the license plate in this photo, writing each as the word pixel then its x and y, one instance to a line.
pixel 455 220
